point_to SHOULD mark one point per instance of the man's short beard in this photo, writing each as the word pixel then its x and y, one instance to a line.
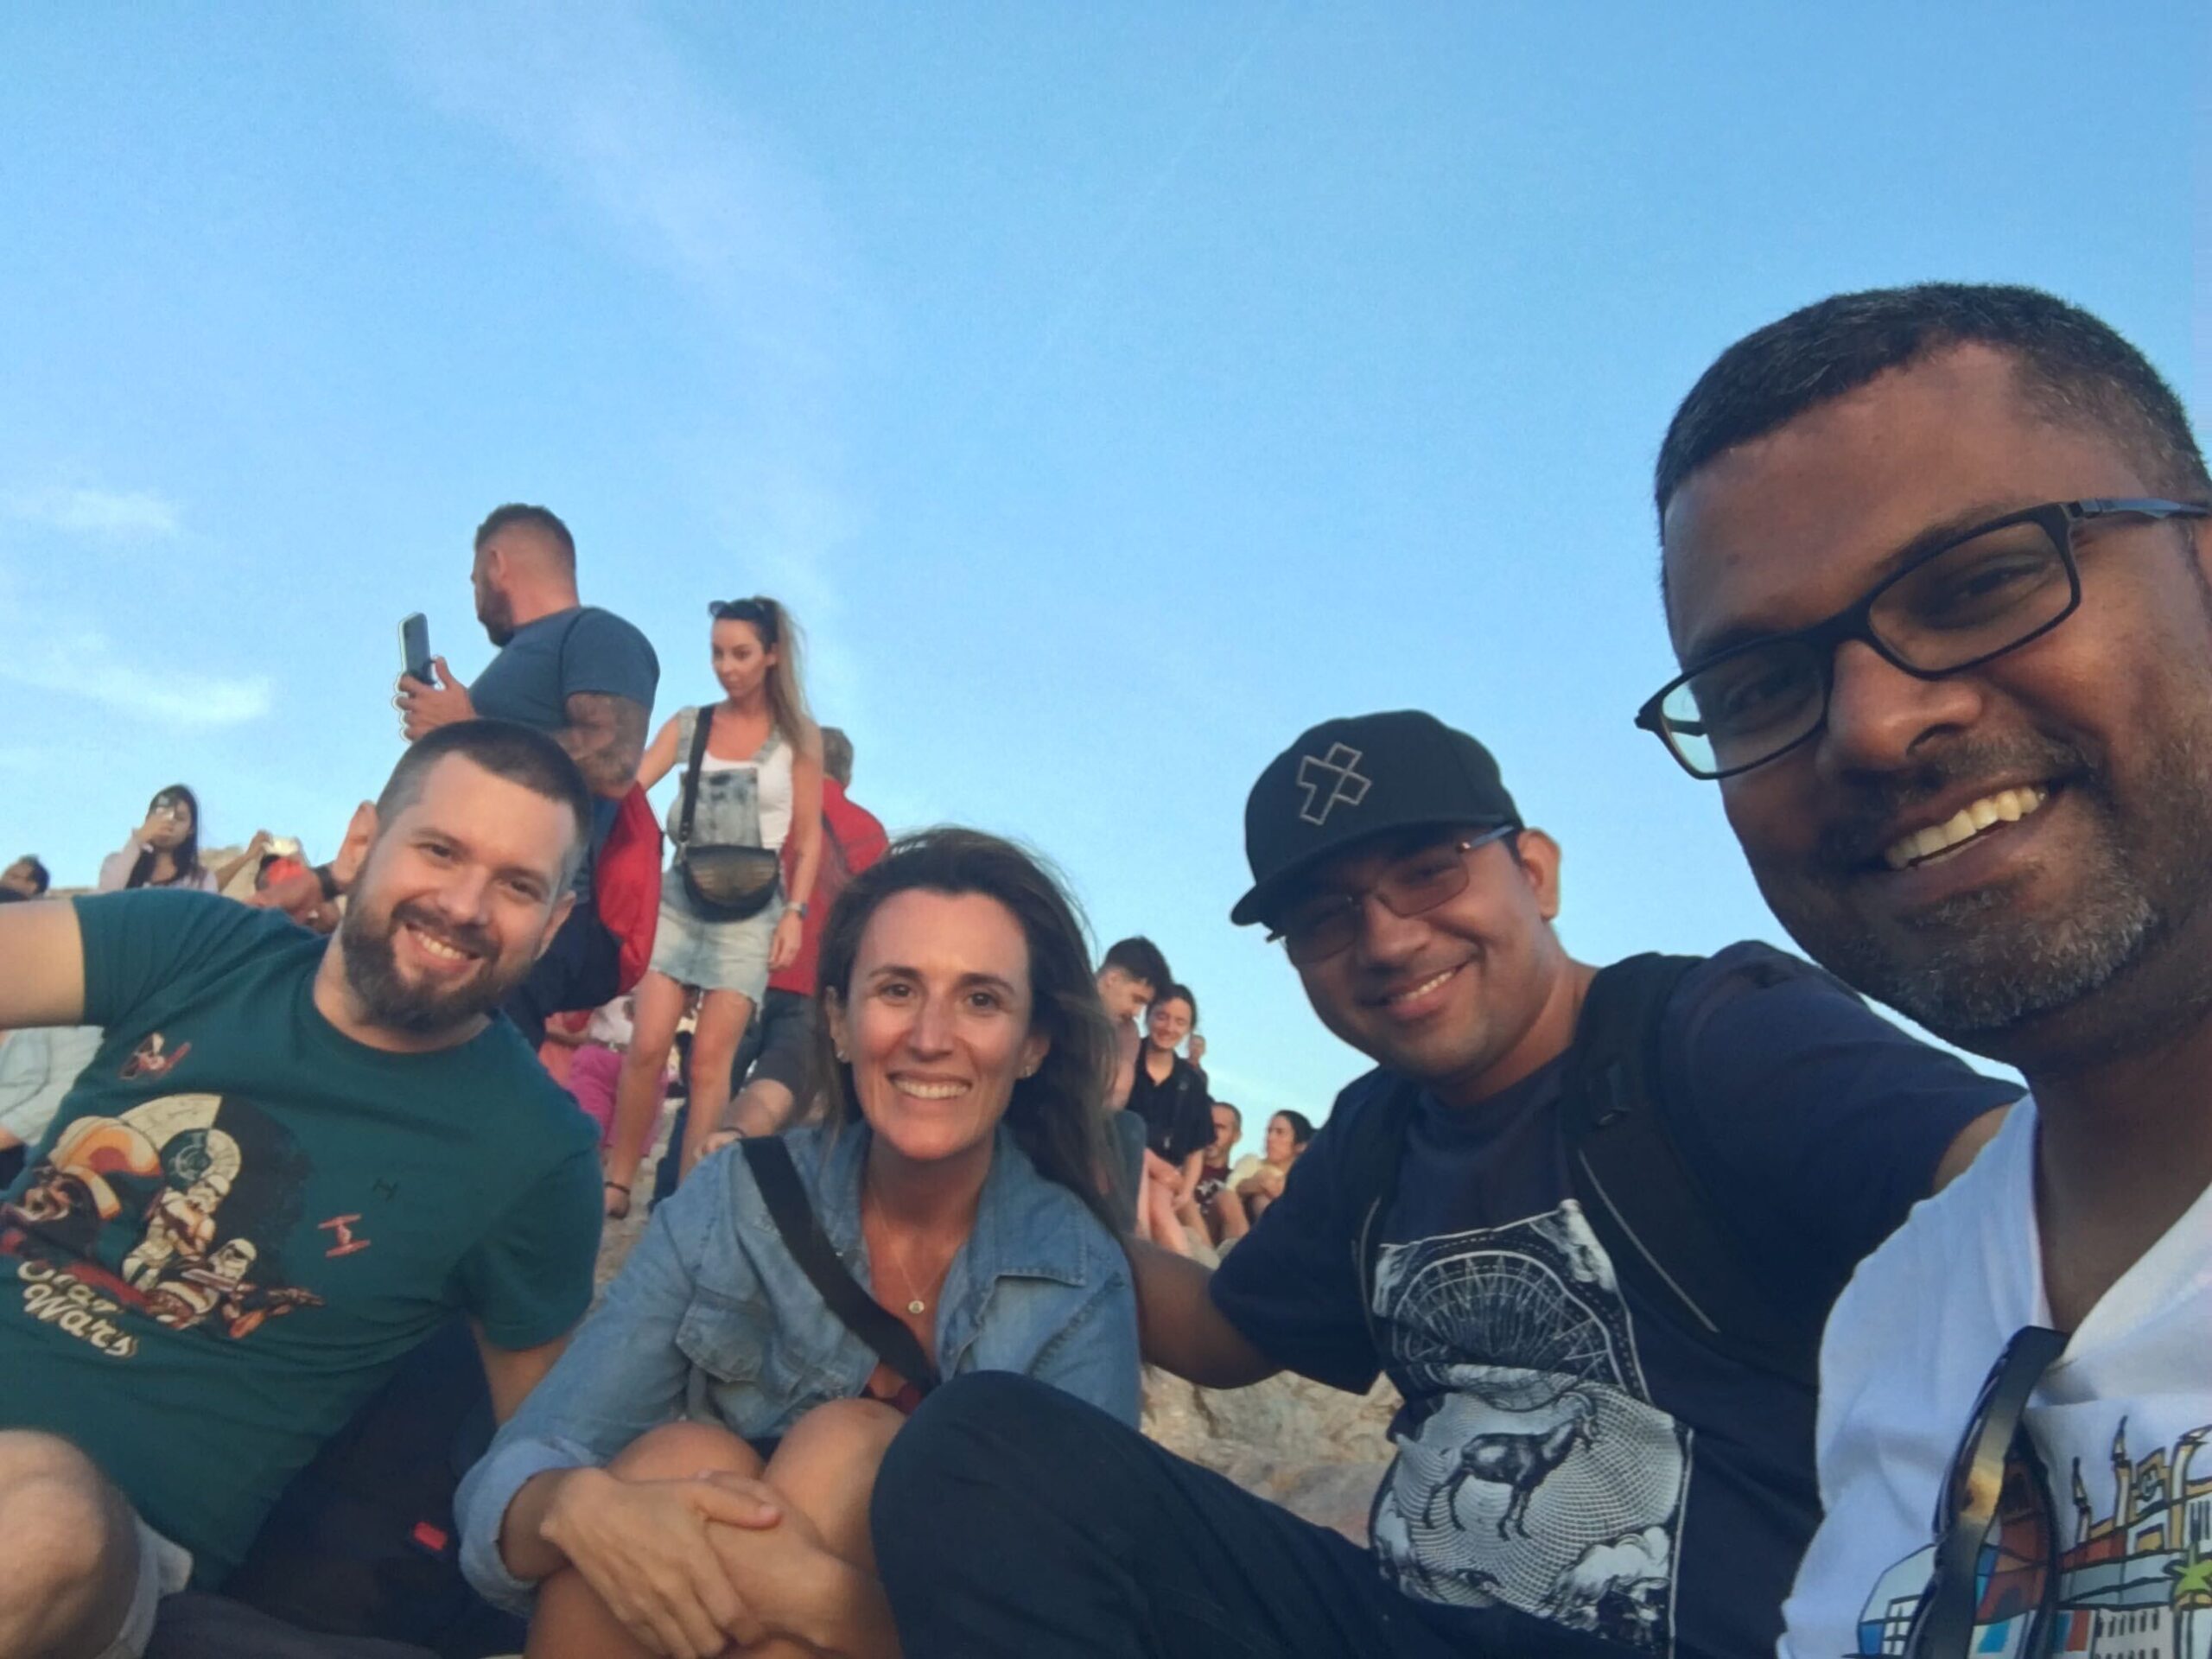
pixel 1996 974
pixel 1995 978
pixel 498 616
pixel 390 1002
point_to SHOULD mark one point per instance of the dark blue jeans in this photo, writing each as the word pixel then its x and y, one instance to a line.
pixel 1013 1520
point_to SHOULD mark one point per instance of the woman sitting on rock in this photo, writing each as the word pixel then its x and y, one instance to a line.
pixel 1256 1182
pixel 696 1469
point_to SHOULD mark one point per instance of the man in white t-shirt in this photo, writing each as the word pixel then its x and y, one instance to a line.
pixel 1940 576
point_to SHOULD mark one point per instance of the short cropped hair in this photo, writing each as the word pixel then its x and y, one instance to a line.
pixel 543 520
pixel 42 877
pixel 837 755
pixel 2073 368
pixel 1140 958
pixel 517 753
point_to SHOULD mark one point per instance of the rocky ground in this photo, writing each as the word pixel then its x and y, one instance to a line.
pixel 1316 1451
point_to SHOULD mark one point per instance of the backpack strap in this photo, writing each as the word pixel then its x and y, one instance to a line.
pixel 1638 1191
pixel 1371 1158
pixel 775 1174
pixel 702 728
pixel 1657 1220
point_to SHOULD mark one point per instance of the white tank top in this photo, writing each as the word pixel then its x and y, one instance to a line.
pixel 772 780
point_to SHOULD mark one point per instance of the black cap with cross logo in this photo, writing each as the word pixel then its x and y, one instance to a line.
pixel 1365 775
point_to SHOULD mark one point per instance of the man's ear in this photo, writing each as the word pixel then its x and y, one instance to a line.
pixel 353 851
pixel 1540 862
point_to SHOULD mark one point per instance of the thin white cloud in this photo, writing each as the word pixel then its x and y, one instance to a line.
pixel 132 515
pixel 83 663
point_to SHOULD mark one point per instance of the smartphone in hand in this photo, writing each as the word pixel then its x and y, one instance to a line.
pixel 415 647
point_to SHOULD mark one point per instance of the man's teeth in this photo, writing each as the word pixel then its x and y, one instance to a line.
pixel 1423 989
pixel 2006 806
pixel 439 947
pixel 930 1090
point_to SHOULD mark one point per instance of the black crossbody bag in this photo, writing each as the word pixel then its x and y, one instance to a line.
pixel 776 1176
pixel 725 883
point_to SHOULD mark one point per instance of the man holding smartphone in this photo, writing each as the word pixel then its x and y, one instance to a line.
pixel 585 677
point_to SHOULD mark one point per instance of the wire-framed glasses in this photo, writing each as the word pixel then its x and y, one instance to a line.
pixel 1320 924
pixel 1970 598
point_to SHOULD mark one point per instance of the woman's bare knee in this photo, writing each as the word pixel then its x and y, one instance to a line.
pixel 827 1466
pixel 682 1451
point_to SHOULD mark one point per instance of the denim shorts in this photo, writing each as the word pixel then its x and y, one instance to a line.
pixel 712 955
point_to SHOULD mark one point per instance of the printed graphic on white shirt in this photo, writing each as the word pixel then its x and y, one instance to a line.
pixel 1541 1476
pixel 2134 1564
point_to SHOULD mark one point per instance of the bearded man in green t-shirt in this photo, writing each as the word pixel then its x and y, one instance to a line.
pixel 291 1161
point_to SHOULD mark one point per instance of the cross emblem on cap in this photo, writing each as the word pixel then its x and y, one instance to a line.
pixel 1339 765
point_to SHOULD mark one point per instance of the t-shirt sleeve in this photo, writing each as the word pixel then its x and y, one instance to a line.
pixel 530 1279
pixel 1290 1284
pixel 605 654
pixel 1823 1120
pixel 139 944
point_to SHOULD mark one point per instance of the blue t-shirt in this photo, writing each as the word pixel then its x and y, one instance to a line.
pixel 1563 1448
pixel 559 657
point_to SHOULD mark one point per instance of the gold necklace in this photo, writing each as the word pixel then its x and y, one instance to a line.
pixel 915 1304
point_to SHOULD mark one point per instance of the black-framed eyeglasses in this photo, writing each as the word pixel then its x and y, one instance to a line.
pixel 1996 1526
pixel 1322 924
pixel 1970 598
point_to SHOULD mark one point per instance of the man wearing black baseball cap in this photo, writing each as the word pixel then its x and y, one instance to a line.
pixel 1588 1222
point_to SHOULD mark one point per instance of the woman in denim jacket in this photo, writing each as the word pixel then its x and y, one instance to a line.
pixel 695 1470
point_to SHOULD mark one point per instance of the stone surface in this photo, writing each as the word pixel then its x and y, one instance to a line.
pixel 1317 1451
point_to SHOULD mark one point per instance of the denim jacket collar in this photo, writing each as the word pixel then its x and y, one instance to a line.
pixel 1017 1233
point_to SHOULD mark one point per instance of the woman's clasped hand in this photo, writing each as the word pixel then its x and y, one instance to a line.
pixel 638 1545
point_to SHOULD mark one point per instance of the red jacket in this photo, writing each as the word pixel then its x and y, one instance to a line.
pixel 852 839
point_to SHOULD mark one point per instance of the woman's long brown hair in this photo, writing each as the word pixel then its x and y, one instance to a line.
pixel 1057 1116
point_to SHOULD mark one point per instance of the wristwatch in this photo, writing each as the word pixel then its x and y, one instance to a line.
pixel 798 908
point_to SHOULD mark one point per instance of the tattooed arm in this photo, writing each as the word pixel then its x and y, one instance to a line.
pixel 605 737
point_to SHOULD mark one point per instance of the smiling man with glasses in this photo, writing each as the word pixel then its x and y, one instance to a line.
pixel 1939 578
pixel 1588 1221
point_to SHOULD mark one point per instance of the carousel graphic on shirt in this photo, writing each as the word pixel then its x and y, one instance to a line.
pixel 1539 1475
pixel 173 1211
pixel 2135 1583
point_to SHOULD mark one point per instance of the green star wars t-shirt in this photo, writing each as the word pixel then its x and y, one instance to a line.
pixel 239 1221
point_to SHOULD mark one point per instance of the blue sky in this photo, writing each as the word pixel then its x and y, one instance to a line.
pixel 1111 391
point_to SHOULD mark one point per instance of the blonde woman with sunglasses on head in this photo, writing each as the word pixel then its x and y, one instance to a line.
pixel 756 780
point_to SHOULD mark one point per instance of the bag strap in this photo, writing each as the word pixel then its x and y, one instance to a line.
pixel 1641 1192
pixel 1371 1160
pixel 773 1171
pixel 702 728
